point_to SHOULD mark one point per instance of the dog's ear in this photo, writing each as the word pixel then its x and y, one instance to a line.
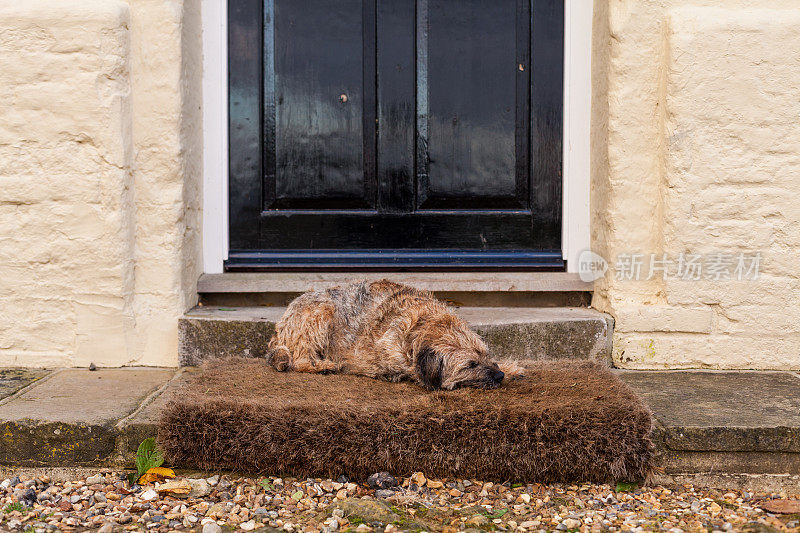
pixel 430 366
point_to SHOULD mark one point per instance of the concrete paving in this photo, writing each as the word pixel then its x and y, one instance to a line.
pixel 512 333
pixel 724 421
pixel 14 379
pixel 706 422
pixel 68 417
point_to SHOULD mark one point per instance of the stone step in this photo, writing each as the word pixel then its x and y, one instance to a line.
pixel 513 333
pixel 725 422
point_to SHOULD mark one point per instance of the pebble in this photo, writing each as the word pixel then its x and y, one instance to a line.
pixel 200 488
pixel 148 495
pixel 571 523
pixel 29 498
pixel 95 480
pixel 477 520
pixel 381 480
pixel 211 527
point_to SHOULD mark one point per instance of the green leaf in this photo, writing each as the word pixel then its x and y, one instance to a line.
pixel 626 487
pixel 148 456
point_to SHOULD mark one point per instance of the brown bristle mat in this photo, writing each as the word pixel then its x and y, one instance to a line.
pixel 564 421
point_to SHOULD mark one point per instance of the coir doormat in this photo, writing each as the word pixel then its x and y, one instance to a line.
pixel 564 421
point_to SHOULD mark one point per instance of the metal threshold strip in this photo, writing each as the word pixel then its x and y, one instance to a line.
pixel 395 259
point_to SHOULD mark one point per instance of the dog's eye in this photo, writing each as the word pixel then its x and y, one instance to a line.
pixel 473 364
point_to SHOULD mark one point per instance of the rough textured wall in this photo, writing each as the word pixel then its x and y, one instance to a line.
pixel 167 134
pixel 98 204
pixel 703 157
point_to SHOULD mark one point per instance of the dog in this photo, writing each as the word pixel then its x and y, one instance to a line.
pixel 382 330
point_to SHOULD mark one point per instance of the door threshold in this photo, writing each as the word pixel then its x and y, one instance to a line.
pixel 474 282
pixel 378 259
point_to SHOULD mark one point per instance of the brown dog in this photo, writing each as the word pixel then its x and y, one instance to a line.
pixel 382 330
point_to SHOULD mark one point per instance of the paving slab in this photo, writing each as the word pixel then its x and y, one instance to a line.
pixel 513 333
pixel 143 422
pixel 69 418
pixel 723 421
pixel 14 379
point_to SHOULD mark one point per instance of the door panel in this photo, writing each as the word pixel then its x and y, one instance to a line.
pixel 547 105
pixel 318 91
pixel 246 149
pixel 399 132
pixel 395 25
pixel 472 104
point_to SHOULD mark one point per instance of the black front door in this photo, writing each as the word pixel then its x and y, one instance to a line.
pixel 380 133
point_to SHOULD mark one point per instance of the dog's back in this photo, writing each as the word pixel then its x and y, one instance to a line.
pixel 383 330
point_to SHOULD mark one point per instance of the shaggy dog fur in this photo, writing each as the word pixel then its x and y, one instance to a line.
pixel 565 421
pixel 382 330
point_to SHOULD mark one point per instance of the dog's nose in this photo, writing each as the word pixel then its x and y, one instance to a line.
pixel 498 376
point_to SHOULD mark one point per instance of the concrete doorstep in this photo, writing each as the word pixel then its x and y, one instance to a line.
pixel 512 333
pixel 707 422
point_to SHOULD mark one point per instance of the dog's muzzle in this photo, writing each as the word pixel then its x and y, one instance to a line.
pixel 493 377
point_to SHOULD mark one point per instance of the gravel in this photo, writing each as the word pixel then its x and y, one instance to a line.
pixel 106 503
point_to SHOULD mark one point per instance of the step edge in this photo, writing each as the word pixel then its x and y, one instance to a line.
pixel 213 313
pixel 282 282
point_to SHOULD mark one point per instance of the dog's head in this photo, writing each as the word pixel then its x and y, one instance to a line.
pixel 451 356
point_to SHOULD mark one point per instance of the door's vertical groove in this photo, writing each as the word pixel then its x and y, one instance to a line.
pixel 423 132
pixel 370 110
pixel 522 119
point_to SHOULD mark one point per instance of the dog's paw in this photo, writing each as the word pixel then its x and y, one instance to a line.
pixel 279 359
pixel 327 367
pixel 512 370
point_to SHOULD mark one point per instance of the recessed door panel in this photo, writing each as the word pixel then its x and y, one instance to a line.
pixel 472 103
pixel 318 97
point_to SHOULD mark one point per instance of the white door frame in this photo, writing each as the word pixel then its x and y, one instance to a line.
pixel 215 134
pixel 577 115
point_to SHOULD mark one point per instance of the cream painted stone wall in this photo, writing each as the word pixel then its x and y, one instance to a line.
pixel 696 149
pixel 99 179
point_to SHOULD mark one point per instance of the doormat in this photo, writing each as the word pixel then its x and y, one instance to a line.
pixel 565 421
